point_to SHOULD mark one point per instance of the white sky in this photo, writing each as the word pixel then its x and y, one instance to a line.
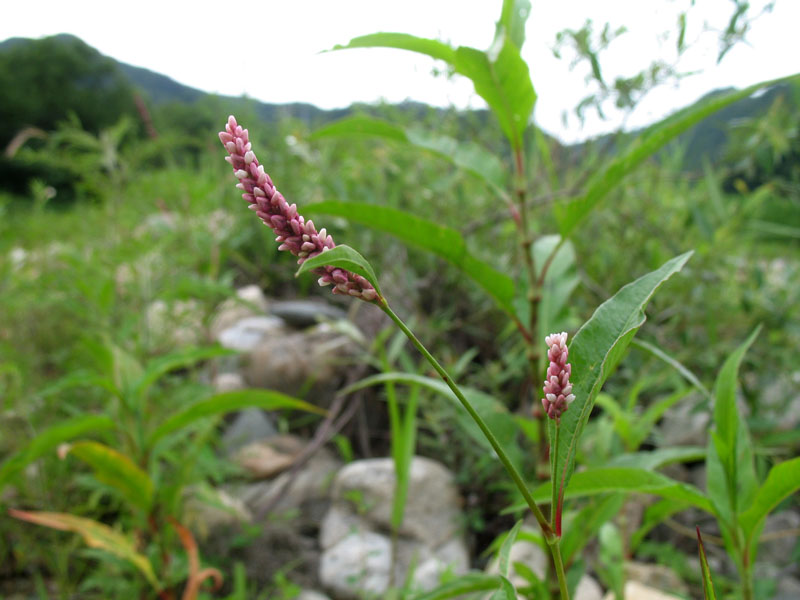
pixel 270 50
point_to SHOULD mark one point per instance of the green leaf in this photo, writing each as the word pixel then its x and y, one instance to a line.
pixel 48 440
pixel 505 549
pixel 464 584
pixel 708 585
pixel 343 257
pixel 117 470
pixel 559 282
pixel 502 79
pixel 443 241
pixel 685 373
pixel 569 215
pixel 506 590
pixel 653 515
pixel 228 402
pixel 465 155
pixel 783 479
pixel 512 21
pixel 587 522
pixel 494 413
pixel 402 41
pixel 594 353
pixel 656 459
pixel 732 481
pixel 627 479
pixel 96 535
pixel 158 367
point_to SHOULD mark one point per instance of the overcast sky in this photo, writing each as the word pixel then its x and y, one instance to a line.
pixel 270 50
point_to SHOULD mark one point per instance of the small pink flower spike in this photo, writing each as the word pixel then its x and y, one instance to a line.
pixel 557 388
pixel 293 232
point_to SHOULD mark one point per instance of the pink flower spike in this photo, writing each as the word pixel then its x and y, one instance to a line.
pixel 292 231
pixel 557 387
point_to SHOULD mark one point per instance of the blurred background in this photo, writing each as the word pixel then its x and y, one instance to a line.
pixel 121 234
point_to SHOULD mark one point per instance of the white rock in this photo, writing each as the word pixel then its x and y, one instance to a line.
pixel 433 508
pixel 311 595
pixel 250 301
pixel 358 564
pixel 246 334
pixel 638 591
pixel 228 382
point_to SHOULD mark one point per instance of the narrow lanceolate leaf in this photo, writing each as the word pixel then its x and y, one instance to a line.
pixel 506 590
pixel 402 41
pixel 586 523
pixel 512 21
pixel 595 351
pixel 228 402
pixel 158 367
pixel 443 241
pixel 465 155
pixel 343 257
pixel 505 549
pixel 732 481
pixel 655 459
pixel 783 479
pixel 48 440
pixel 464 584
pixel 96 535
pixel 500 76
pixel 708 585
pixel 495 414
pixel 675 364
pixel 502 79
pixel 569 215
pixel 627 479
pixel 116 470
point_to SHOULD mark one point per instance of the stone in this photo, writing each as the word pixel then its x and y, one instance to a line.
pixel 228 382
pixel 309 493
pixel 288 363
pixel 247 333
pixel 684 425
pixel 634 590
pixel 249 301
pixel 208 510
pixel 658 576
pixel 354 534
pixel 433 508
pixel 249 425
pixel 311 595
pixel 788 589
pixel 305 313
pixel 268 457
pixel 534 557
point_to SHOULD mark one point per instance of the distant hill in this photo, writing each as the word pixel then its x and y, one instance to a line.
pixel 706 139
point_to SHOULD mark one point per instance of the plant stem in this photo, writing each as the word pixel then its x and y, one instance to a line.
pixel 553 489
pixel 555 550
pixel 501 454
pixel 547 530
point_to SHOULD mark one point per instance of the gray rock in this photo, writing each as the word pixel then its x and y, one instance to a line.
pixel 356 558
pixel 311 595
pixel 638 591
pixel 684 425
pixel 310 491
pixel 433 509
pixel 249 302
pixel 305 313
pixel 788 589
pixel 288 363
pixel 228 382
pixel 209 510
pixel 658 576
pixel 247 333
pixel 248 426
pixel 532 556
